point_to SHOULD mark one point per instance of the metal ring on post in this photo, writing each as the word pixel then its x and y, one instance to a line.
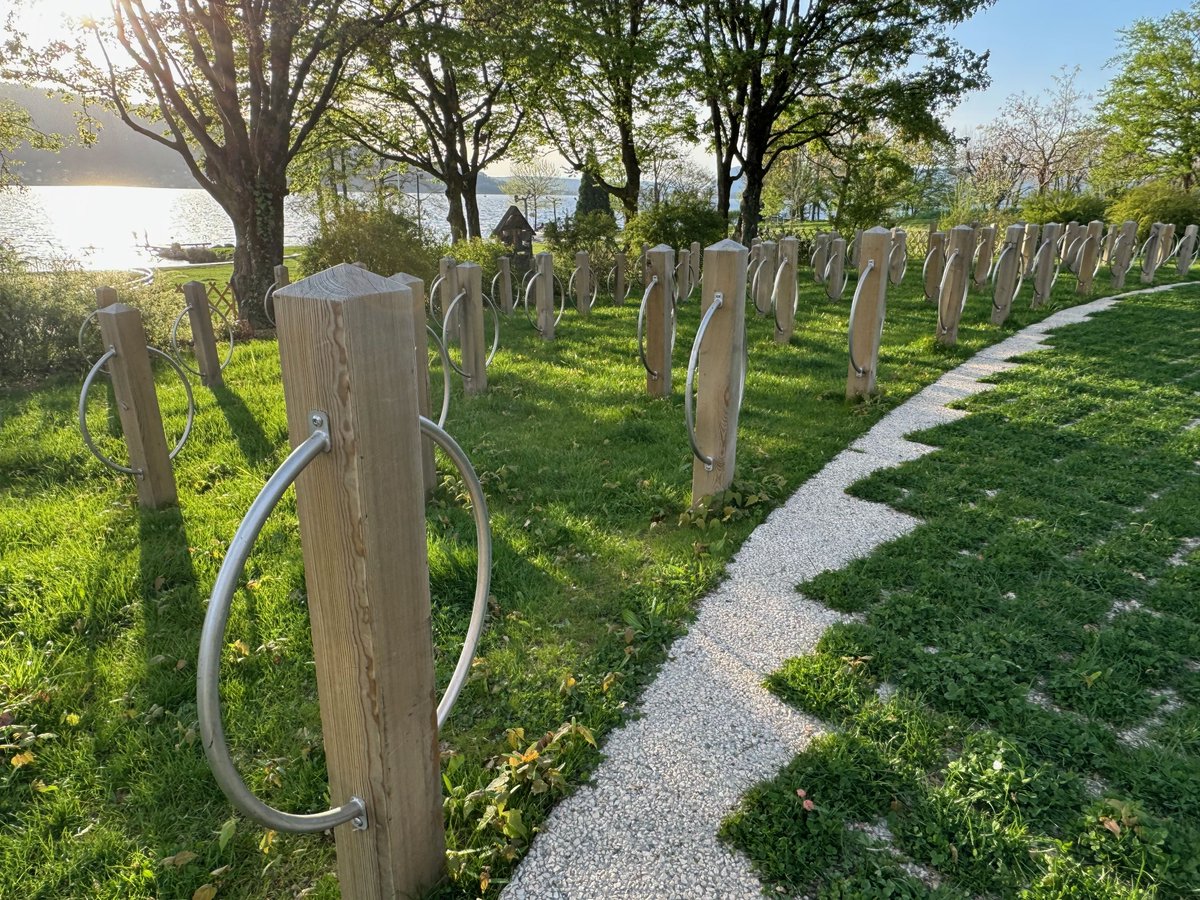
pixel 689 414
pixel 903 267
pixel 1008 248
pixel 175 339
pixel 528 288
pixel 433 292
pixel 87 386
pixel 212 636
pixel 446 319
pixel 845 277
pixel 268 303
pixel 775 294
pixel 862 280
pixel 641 326
pixel 925 274
pixel 562 304
pixel 495 333
pixel 445 373
pixel 754 277
pixel 492 292
pixel 90 317
pixel 942 288
pixel 483 569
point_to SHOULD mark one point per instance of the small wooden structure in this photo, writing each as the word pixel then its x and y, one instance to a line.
pixel 515 231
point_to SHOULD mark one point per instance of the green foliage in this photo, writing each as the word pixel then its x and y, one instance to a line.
pixel 676 222
pixel 596 232
pixel 1039 734
pixel 877 180
pixel 383 239
pixel 41 313
pixel 1152 105
pixel 1063 206
pixel 1158 201
pixel 592 197
pixel 483 251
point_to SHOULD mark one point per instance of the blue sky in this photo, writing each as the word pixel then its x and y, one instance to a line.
pixel 1031 40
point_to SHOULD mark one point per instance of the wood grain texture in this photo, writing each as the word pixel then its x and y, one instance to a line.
pixel 683 273
pixel 1187 250
pixel 137 404
pixel 983 255
pixel 504 286
pixel 1029 249
pixel 785 304
pixel 935 265
pixel 1089 257
pixel 474 344
pixel 204 342
pixel 1122 257
pixel 720 368
pixel 105 296
pixel 583 283
pixel 415 306
pixel 836 268
pixel 1047 264
pixel 866 321
pixel 449 289
pixel 1008 272
pixel 1154 253
pixel 955 280
pixel 543 294
pixel 347 349
pixel 619 276
pixel 694 258
pixel 820 256
pixel 660 315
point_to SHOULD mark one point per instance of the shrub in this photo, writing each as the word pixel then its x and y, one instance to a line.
pixel 382 239
pixel 596 232
pixel 1063 206
pixel 676 222
pixel 484 252
pixel 40 315
pixel 1157 201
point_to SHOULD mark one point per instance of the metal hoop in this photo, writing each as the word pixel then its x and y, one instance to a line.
pixel 903 268
pixel 925 273
pixel 862 280
pixel 1072 256
pixel 641 325
pixel 775 294
pixel 1008 248
pixel 429 297
pixel 571 289
pixel 754 277
pixel 562 304
pixel 1116 252
pixel 87 386
pixel 82 328
pixel 942 287
pixel 845 278
pixel 689 414
pixel 175 339
pixel 495 333
pixel 492 292
pixel 208 701
pixel 269 303
pixel 445 373
pixel 528 288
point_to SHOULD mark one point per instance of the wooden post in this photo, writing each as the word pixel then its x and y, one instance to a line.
pixel 1088 257
pixel 105 296
pixel 956 279
pixel 660 321
pixel 721 364
pixel 1071 242
pixel 415 307
pixel 1008 272
pixel 505 299
pixel 868 311
pixel 1047 265
pixel 897 256
pixel 204 343
pixel 821 256
pixel 1110 238
pixel 346 350
pixel 983 256
pixel 543 294
pixel 644 264
pixel 474 344
pixel 835 283
pixel 935 264
pixel 137 403
pixel 852 250
pixel 1187 250
pixel 683 278
pixel 785 302
pixel 583 283
pixel 1153 253
pixel 282 277
pixel 1123 252
pixel 619 278
pixel 694 256
pixel 1166 243
pixel 1030 248
pixel 769 262
pixel 449 289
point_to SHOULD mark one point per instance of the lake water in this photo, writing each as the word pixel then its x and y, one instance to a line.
pixel 108 227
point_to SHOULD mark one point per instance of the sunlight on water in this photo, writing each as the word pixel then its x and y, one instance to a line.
pixel 108 226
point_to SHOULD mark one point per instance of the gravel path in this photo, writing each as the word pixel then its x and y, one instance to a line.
pixel 645 827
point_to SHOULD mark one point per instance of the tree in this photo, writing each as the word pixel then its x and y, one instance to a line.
pixel 16 128
pixel 239 86
pixel 797 187
pixel 1152 105
pixel 610 88
pixel 1054 141
pixel 776 75
pixel 531 181
pixel 442 94
pixel 592 198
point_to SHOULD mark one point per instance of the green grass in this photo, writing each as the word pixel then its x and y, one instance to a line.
pixel 101 604
pixel 1040 633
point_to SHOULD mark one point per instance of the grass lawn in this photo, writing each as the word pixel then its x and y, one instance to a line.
pixel 106 793
pixel 1017 708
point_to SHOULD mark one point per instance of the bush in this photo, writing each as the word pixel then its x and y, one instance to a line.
pixel 382 239
pixel 676 222
pixel 1063 206
pixel 483 252
pixel 1157 201
pixel 596 232
pixel 40 315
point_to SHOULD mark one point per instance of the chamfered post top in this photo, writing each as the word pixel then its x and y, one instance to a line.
pixel 339 283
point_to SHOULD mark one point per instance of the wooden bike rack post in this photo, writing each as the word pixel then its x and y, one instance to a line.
pixel 447 291
pixel 897 257
pixel 582 277
pixel 1187 250
pixel 414 305
pixel 658 313
pixel 1122 255
pixel 867 311
pixel 784 290
pixel 1152 253
pixel 1046 265
pixel 474 346
pixel 1110 239
pixel 694 257
pixel 820 257
pixel 956 278
pixel 835 269
pixel 204 343
pixel 764 276
pixel 137 402
pixel 543 293
pixel 1087 258
pixel 1029 249
pixel 935 264
pixel 619 276
pixel 683 274
pixel 719 353
pixel 983 256
pixel 504 274
pixel 1006 281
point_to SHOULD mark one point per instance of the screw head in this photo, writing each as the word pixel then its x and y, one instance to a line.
pixel 316 420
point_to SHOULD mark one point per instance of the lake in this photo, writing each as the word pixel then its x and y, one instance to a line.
pixel 107 227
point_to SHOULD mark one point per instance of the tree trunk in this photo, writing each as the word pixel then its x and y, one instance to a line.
pixel 454 215
pixel 470 198
pixel 751 206
pixel 258 236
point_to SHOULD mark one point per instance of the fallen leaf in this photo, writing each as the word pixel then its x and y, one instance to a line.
pixel 22 759
pixel 1111 825
pixel 180 859
pixel 205 892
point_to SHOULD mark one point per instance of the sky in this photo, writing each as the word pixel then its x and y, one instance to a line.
pixel 1031 40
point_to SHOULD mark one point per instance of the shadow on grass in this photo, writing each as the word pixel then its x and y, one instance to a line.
pixel 251 438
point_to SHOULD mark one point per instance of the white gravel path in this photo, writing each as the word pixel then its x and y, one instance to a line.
pixel 646 826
